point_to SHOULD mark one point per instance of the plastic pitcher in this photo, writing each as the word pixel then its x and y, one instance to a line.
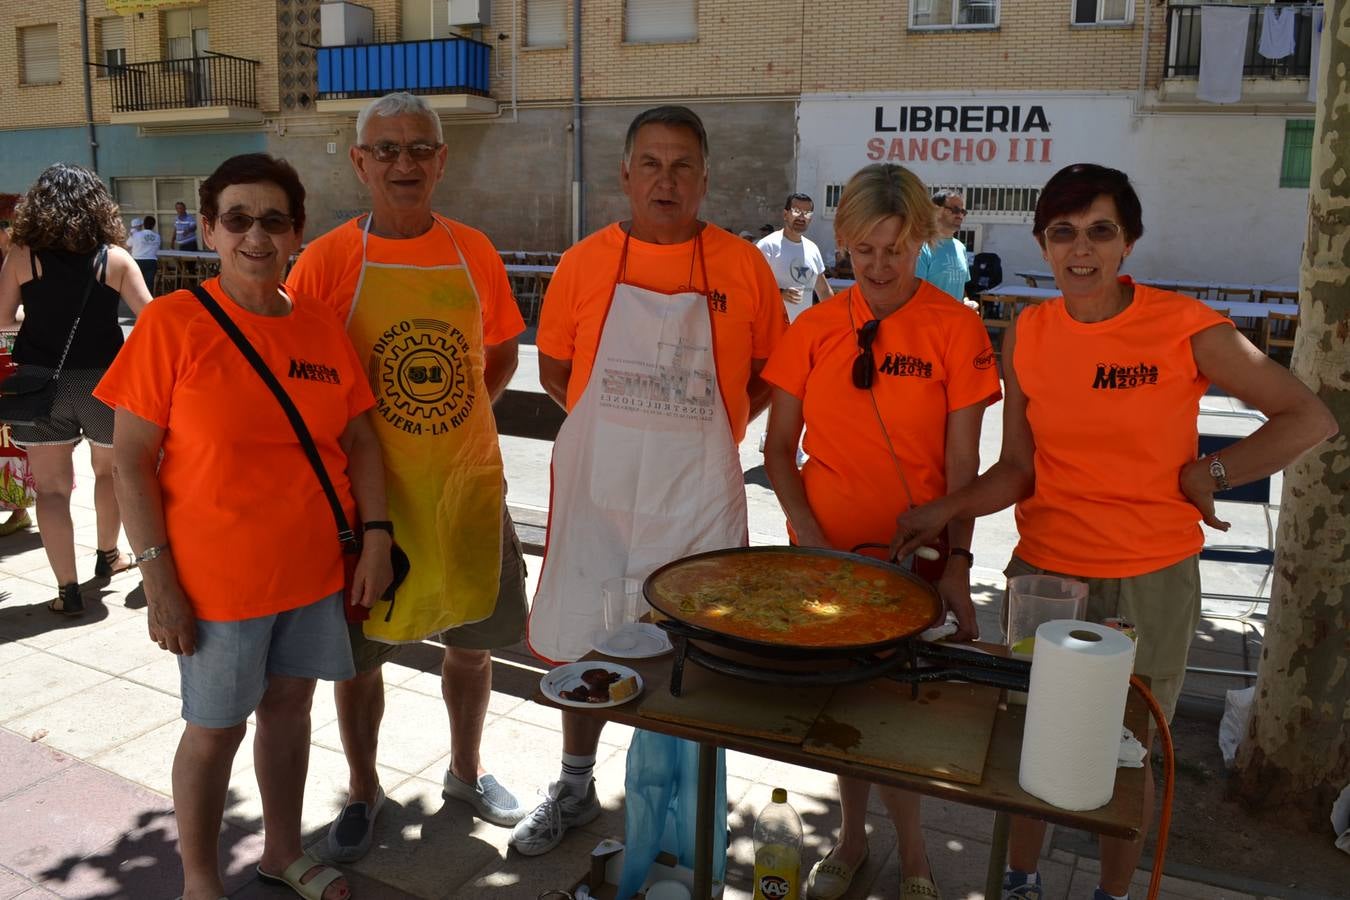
pixel 1034 600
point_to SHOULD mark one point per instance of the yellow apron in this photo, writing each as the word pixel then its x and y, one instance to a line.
pixel 419 330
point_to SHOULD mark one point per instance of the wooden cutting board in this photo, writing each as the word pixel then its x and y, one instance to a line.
pixel 944 733
pixel 738 706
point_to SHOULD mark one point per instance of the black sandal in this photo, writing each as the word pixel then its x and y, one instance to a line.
pixel 110 562
pixel 72 602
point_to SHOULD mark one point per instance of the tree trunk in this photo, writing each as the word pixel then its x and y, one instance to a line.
pixel 1296 753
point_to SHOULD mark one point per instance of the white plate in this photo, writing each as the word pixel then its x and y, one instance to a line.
pixel 636 640
pixel 568 677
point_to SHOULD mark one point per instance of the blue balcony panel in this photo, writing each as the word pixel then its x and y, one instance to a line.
pixel 446 66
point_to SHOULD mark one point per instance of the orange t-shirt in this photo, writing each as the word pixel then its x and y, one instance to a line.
pixel 251 532
pixel 330 266
pixel 747 310
pixel 933 357
pixel 1112 407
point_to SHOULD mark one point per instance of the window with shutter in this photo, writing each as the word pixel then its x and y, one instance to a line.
pixel 660 21
pixel 39 55
pixel 1296 166
pixel 112 41
pixel 545 23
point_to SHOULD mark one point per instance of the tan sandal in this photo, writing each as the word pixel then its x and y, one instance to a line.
pixel 916 887
pixel 310 890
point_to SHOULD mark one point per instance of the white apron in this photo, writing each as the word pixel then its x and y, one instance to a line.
pixel 644 467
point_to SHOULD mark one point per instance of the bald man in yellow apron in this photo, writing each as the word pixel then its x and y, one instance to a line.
pixel 430 311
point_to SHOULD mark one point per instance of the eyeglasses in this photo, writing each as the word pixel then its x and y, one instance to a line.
pixel 956 210
pixel 241 223
pixel 865 366
pixel 804 213
pixel 1097 232
pixel 388 151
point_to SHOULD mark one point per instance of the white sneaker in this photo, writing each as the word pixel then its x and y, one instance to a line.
pixel 490 799
pixel 561 809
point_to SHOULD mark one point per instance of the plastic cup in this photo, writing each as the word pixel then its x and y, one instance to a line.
pixel 1034 600
pixel 624 604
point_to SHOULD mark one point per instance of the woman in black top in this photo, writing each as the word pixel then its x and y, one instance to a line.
pixel 61 230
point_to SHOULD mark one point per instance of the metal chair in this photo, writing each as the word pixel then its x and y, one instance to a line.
pixel 1240 554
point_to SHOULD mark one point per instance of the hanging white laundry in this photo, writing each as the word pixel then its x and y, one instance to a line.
pixel 1277 32
pixel 1223 43
pixel 1315 61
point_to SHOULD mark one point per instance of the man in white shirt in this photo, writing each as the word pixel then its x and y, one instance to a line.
pixel 144 243
pixel 794 258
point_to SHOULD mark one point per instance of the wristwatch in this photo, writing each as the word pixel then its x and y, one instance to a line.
pixel 378 525
pixel 1218 472
pixel 962 552
pixel 150 553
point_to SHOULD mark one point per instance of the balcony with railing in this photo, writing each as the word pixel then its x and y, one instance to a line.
pixel 1264 80
pixel 212 89
pixel 452 73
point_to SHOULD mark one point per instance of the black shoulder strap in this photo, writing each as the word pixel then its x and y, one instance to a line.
pixel 345 533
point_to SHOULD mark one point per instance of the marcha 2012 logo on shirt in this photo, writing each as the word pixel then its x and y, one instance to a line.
pixel 904 365
pixel 1121 376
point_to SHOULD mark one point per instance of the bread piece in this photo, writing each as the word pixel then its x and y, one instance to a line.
pixel 623 689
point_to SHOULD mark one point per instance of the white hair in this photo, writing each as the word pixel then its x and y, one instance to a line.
pixel 399 103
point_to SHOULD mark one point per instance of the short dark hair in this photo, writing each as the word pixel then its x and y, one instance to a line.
pixel 673 116
pixel 787 204
pixel 1073 189
pixel 253 168
pixel 148 223
pixel 941 197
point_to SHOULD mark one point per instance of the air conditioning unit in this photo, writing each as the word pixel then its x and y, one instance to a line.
pixel 470 12
pixel 346 24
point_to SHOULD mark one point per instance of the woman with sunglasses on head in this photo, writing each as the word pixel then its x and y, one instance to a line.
pixel 237 541
pixel 1100 443
pixel 67 269
pixel 890 379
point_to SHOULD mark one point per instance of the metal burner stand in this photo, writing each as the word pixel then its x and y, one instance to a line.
pixel 901 662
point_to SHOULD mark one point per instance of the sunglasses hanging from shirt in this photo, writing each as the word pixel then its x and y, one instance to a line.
pixel 864 375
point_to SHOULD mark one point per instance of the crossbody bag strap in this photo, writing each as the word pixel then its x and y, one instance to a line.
pixel 100 260
pixel 345 533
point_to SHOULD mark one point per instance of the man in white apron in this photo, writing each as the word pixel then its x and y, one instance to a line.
pixel 429 309
pixel 652 336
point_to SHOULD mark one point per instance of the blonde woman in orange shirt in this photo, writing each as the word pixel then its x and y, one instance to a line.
pixel 1099 449
pixel 890 380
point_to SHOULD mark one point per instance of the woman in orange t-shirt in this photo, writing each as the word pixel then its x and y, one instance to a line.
pixel 1099 448
pixel 890 379
pixel 239 553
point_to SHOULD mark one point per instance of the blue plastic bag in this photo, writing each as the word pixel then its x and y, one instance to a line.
pixel 662 802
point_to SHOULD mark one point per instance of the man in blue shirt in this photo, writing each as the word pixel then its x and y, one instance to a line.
pixel 184 228
pixel 944 265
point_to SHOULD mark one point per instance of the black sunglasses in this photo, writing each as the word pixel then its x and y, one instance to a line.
pixel 240 223
pixel 865 366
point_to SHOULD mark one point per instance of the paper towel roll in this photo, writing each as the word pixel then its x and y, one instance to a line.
pixel 1080 677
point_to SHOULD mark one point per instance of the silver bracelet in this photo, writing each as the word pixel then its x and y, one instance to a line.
pixel 150 553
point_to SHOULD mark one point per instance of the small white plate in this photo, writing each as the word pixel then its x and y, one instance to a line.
pixel 636 640
pixel 568 678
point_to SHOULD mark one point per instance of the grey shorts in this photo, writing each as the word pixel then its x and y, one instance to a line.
pixel 75 413
pixel 1164 607
pixel 224 680
pixel 506 625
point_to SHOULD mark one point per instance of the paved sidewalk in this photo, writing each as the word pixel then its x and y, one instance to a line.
pixel 89 723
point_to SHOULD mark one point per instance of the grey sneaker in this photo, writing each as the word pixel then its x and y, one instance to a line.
pixel 1021 886
pixel 543 829
pixel 490 799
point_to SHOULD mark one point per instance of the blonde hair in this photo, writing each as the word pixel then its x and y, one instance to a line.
pixel 879 191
